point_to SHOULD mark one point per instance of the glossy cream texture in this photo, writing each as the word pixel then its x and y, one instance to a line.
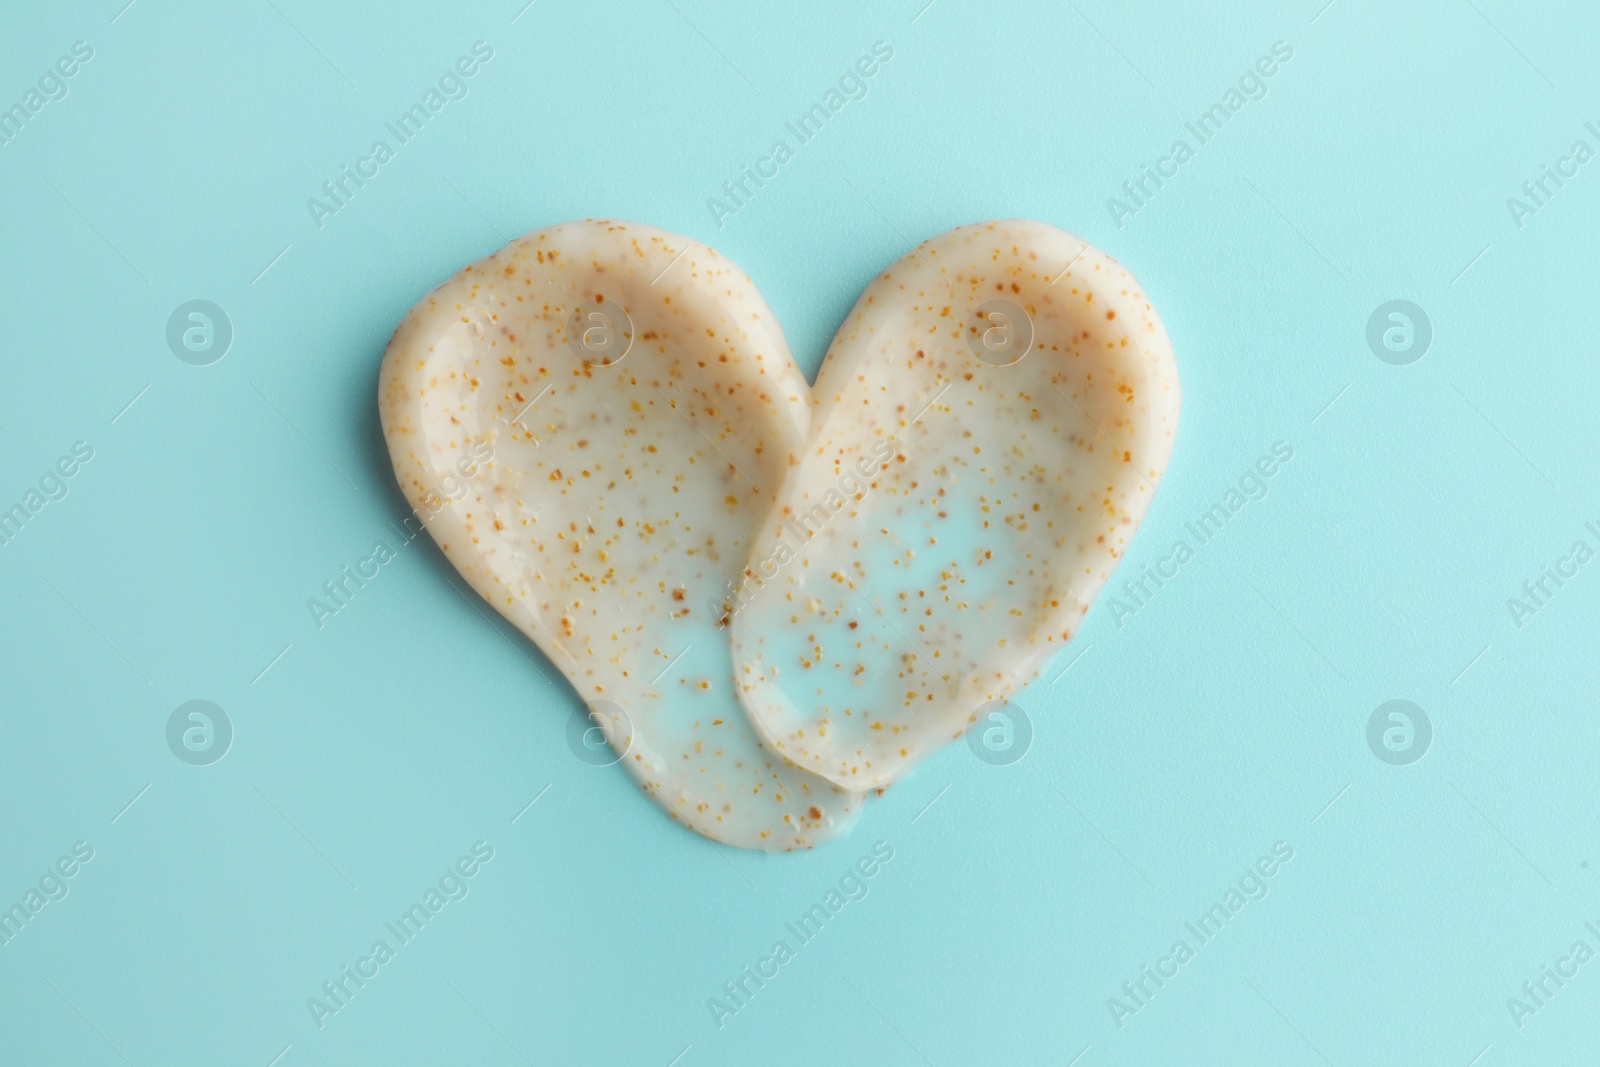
pixel 951 520
pixel 616 502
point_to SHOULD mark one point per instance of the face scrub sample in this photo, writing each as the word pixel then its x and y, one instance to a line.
pixel 773 606
pixel 638 407
pixel 989 426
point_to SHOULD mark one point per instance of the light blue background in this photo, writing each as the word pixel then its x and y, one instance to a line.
pixel 1226 715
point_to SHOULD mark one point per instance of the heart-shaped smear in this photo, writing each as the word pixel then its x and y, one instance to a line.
pixel 594 421
pixel 989 427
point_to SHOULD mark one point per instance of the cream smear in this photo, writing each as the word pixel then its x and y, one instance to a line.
pixel 990 425
pixel 774 607
pixel 639 409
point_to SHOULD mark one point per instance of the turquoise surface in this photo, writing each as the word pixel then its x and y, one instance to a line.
pixel 1420 545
